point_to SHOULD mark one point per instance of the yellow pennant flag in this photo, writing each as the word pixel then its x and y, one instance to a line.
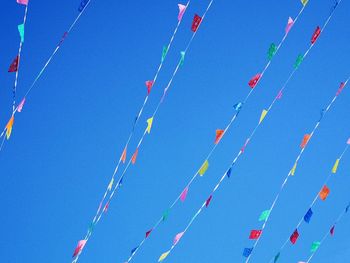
pixel 163 256
pixel 149 122
pixel 263 115
pixel 293 169
pixel 110 184
pixel 204 168
pixel 335 167
pixel 9 127
pixel 304 2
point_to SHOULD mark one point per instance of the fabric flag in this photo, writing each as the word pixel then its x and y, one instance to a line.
pixel 315 35
pixel 196 22
pixel 184 194
pixel 218 136
pixel 289 24
pixel 14 65
pixel 105 209
pixel 335 166
pixel 207 203
pixel 294 237
pixel 182 9
pixel 82 5
pixel 247 252
pixel 182 60
pixel 272 51
pixel 228 173
pixel 276 257
pixel 264 215
pixel 304 2
pixel 244 146
pixel 255 234
pixel 123 157
pixel 22 2
pixel 164 52
pixel 178 237
pixel 134 156
pixel 238 106
pixel 308 215
pixel 347 208
pixel 324 192
pixel 9 126
pixel 133 250
pixel 298 61
pixel 20 106
pixel 262 116
pixel 340 89
pixel 203 168
pixel 149 125
pixel 163 256
pixel 315 245
pixel 79 247
pixel 63 38
pixel 148 232
pixel 21 31
pixel 165 215
pixel 279 95
pixel 292 172
pixel 110 185
pixel 149 85
pixel 254 80
pixel 331 231
pixel 348 142
pixel 305 140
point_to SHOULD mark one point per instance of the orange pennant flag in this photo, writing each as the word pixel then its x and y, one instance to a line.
pixel 123 158
pixel 9 127
pixel 324 192
pixel 134 156
pixel 219 134
pixel 305 140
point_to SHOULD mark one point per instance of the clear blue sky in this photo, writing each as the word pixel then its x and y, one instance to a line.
pixel 72 130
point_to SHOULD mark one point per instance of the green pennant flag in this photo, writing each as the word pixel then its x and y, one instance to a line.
pixel 264 215
pixel 315 246
pixel 165 51
pixel 298 61
pixel 21 32
pixel 272 51
pixel 277 257
pixel 165 215
pixel 182 58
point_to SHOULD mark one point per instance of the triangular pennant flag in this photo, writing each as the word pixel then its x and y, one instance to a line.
pixel 207 203
pixel 123 157
pixel 308 215
pixel 335 166
pixel 79 247
pixel 21 32
pixel 264 215
pixel 134 156
pixel 110 185
pixel 294 237
pixel 292 172
pixel 22 2
pixel 298 61
pixel 203 168
pixel 331 231
pixel 324 192
pixel 315 35
pixel 178 237
pixel 244 146
pixel 182 9
pixel 105 209
pixel 164 52
pixel 149 232
pixel 289 24
pixel 255 234
pixel 228 173
pixel 305 140
pixel 247 252
pixel 314 246
pixel 9 126
pixel 254 80
pixel 149 125
pixel 347 208
pixel 120 183
pixel 218 136
pixel 133 250
pixel 14 65
pixel 20 106
pixel 149 85
pixel 82 5
pixel 279 95
pixel 262 116
pixel 184 194
pixel 182 59
pixel 304 2
pixel 196 22
pixel 163 256
pixel 277 257
pixel 238 106
pixel 340 89
pixel 165 215
pixel 348 142
pixel 272 51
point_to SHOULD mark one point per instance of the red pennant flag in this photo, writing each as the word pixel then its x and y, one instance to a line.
pixel 305 140
pixel 219 134
pixel 332 231
pixel 315 35
pixel 254 80
pixel 341 87
pixel 134 156
pixel 148 233
pixel 294 237
pixel 195 23
pixel 123 157
pixel 79 247
pixel 255 234
pixel 207 203
pixel 149 85
pixel 105 209
pixel 14 66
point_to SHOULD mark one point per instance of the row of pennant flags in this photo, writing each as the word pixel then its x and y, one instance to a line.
pixel 114 184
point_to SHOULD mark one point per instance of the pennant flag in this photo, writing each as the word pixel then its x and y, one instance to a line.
pixel 263 115
pixel 120 183
pixel 196 22
pixel 238 106
pixel 105 209
pixel 9 126
pixel 247 252
pixel 276 257
pixel 79 247
pixel 148 232
pixel 203 168
pixel 133 250
pixel 264 215
pixel 305 140
pixel 244 146
pixel 279 95
pixel 163 256
pixel 21 32
pixel 91 228
pixel 82 5
pixel 340 89
pixel 228 173
pixel 292 172
pixel 20 106
pixel 347 208
pixel 149 85
pixel 304 2
pixel 331 231
pixel 315 35
pixel 149 125
pixel 164 52
pixel 335 167
pixel 315 246
pixel 14 65
pixel 134 156
pixel 289 24
pixel 272 51
pixel 219 134
pixel 324 192
pixel 182 60
pixel 63 38
pixel 182 9
pixel 298 61
pixel 184 194
pixel 308 215
pixel 178 237
pixel 22 2
pixel 254 80
pixel 294 237
pixel 207 203
pixel 123 157
pixel 110 185
pixel 348 142
pixel 165 215
pixel 255 234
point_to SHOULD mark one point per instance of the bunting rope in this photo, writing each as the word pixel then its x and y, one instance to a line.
pixel 220 135
pixel 8 128
pixel 228 171
pixel 322 195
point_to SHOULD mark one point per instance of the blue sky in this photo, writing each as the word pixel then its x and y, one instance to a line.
pixel 70 135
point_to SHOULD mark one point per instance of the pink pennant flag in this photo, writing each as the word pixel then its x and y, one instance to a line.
pixel 279 95
pixel 348 142
pixel 182 9
pixel 79 247
pixel 148 232
pixel 289 24
pixel 184 194
pixel 244 146
pixel 22 2
pixel 178 237
pixel 20 106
